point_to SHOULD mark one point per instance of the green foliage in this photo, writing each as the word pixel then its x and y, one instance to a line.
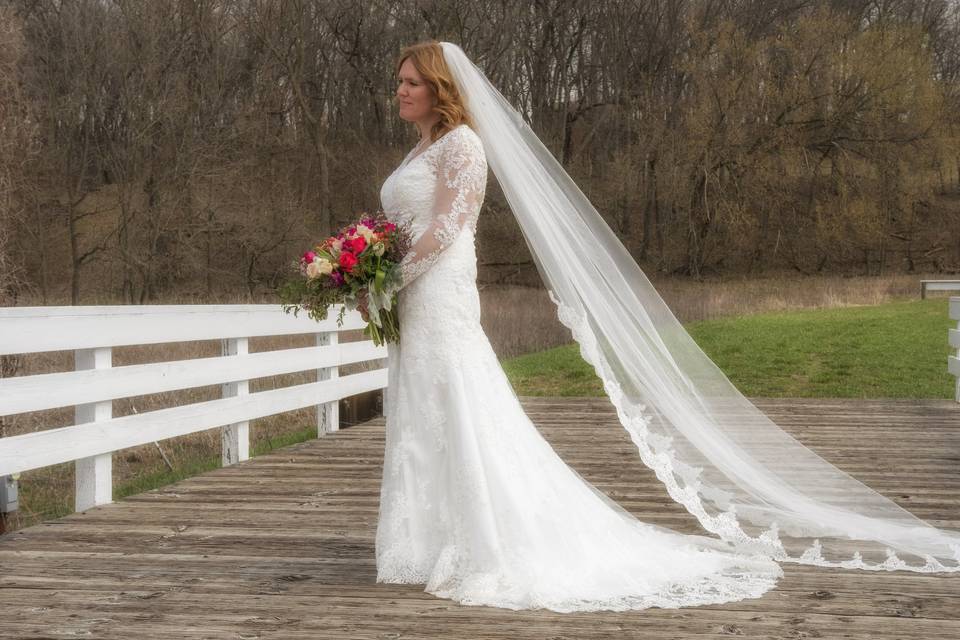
pixel 298 294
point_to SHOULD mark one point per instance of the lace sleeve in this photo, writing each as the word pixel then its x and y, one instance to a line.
pixel 461 181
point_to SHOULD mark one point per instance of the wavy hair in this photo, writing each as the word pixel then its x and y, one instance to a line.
pixel 427 58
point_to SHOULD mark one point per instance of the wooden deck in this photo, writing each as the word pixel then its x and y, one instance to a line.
pixel 281 546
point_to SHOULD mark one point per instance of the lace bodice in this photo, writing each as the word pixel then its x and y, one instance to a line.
pixel 438 192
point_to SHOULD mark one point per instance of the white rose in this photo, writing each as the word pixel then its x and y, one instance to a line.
pixel 325 266
pixel 313 269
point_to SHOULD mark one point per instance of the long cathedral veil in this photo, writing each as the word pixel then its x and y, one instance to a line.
pixel 743 477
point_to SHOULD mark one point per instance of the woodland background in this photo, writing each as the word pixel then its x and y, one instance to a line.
pixel 188 150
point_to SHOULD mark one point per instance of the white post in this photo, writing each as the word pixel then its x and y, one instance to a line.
pixel 328 414
pixel 94 475
pixel 235 438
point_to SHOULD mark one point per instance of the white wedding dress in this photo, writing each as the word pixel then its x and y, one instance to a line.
pixel 475 504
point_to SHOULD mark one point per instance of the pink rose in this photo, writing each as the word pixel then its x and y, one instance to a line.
pixel 308 257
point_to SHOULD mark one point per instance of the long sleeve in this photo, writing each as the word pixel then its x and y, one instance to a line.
pixel 461 169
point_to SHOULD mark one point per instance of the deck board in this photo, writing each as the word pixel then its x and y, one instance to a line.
pixel 281 546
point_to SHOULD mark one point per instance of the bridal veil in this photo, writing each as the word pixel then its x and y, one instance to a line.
pixel 745 479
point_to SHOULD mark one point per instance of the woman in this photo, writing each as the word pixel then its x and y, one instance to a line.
pixel 477 506
pixel 475 503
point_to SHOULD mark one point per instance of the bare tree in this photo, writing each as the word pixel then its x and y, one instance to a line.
pixel 193 148
pixel 17 145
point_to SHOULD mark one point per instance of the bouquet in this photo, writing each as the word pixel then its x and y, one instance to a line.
pixel 356 266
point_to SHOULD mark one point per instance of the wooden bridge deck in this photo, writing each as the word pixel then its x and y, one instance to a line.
pixel 281 546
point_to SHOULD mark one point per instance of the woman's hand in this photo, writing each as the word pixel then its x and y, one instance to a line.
pixel 362 304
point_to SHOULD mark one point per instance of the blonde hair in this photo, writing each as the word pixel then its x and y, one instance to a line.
pixel 428 60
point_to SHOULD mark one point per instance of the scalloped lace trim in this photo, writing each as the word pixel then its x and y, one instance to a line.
pixel 667 468
pixel 446 579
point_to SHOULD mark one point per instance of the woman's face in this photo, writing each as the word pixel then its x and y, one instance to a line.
pixel 413 95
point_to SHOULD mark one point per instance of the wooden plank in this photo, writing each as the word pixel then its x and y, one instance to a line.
pixel 282 546
pixel 290 611
pixel 88 570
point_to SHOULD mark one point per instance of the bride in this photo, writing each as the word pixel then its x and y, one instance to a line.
pixel 477 506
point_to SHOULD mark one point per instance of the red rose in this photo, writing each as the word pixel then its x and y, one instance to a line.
pixel 357 244
pixel 347 260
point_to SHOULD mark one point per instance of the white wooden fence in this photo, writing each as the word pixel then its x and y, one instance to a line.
pixel 92 332
pixel 953 362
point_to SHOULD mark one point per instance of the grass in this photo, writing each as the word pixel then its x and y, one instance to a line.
pixel 521 320
pixel 893 350
pixel 201 464
pixel 187 466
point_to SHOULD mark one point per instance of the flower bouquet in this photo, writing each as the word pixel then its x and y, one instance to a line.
pixel 357 265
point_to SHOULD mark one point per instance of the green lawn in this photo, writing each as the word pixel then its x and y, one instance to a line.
pixel 895 350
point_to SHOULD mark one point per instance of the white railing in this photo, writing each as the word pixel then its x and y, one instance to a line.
pixel 953 362
pixel 92 332
pixel 938 285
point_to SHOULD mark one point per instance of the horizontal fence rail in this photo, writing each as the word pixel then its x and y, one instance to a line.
pixel 52 390
pixel 92 332
pixel 953 362
pixel 39 329
pixel 938 285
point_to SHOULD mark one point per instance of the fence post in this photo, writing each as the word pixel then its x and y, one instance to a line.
pixel 94 475
pixel 328 413
pixel 9 502
pixel 235 438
